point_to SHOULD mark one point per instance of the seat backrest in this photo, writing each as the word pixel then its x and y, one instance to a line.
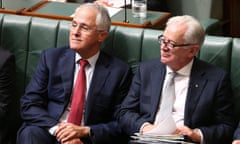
pixel 217 51
pixel 150 45
pixel 26 37
pixel 126 44
pixel 235 74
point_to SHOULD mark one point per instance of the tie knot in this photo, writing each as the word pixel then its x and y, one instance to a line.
pixel 171 77
pixel 83 63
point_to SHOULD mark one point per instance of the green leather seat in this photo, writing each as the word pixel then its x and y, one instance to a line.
pixel 217 50
pixel 235 74
pixel 126 44
pixel 27 36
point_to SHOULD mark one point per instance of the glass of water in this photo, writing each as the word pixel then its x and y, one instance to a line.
pixel 139 8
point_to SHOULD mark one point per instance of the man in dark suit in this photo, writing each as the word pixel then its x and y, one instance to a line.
pixel 47 100
pixel 7 87
pixel 202 107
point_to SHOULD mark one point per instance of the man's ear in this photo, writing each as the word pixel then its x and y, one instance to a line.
pixel 194 50
pixel 102 36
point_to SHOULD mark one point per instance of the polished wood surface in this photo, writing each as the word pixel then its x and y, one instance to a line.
pixel 154 19
pixel 52 10
pixel 64 11
pixel 17 6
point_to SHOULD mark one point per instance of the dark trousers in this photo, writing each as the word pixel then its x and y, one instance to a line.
pixel 35 135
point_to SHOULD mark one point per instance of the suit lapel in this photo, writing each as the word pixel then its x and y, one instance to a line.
pixel 100 74
pixel 196 86
pixel 157 75
pixel 67 64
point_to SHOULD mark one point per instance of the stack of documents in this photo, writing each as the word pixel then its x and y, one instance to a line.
pixel 159 139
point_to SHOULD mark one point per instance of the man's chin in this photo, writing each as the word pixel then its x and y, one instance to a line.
pixel 164 60
pixel 74 48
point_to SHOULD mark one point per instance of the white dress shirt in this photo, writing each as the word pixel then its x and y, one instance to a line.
pixel 89 69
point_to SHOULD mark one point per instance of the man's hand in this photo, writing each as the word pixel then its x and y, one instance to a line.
pixel 73 141
pixel 194 135
pixel 236 142
pixel 69 131
pixel 147 127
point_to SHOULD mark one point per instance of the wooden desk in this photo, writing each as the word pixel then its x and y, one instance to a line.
pixel 63 11
pixel 53 10
pixel 17 6
pixel 156 20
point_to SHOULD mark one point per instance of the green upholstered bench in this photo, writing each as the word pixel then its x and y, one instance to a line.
pixel 27 36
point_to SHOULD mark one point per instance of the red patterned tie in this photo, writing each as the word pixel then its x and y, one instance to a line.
pixel 78 98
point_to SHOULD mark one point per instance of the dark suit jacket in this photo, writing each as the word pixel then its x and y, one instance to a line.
pixel 49 92
pixel 7 87
pixel 208 103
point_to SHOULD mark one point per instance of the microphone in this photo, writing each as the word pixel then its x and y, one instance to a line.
pixel 125 12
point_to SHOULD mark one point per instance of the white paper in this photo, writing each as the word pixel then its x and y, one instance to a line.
pixel 166 127
pixel 146 139
pixel 112 11
pixel 118 3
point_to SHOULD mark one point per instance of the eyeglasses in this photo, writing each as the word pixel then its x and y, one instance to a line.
pixel 169 43
pixel 84 28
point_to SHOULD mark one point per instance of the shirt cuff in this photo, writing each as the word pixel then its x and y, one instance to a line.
pixel 143 125
pixel 201 135
pixel 52 130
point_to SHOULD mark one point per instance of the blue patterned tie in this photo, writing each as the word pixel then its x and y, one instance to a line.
pixel 167 100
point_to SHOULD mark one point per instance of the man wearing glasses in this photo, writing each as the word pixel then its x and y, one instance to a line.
pixel 201 105
pixel 50 105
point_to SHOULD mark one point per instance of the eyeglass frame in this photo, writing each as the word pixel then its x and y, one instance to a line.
pixel 83 27
pixel 171 42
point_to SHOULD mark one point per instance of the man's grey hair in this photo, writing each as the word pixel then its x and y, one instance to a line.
pixel 103 20
pixel 194 34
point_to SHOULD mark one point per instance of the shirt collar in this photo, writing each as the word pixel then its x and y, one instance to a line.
pixel 185 71
pixel 92 60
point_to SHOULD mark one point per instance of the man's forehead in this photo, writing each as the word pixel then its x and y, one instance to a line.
pixel 86 8
pixel 83 13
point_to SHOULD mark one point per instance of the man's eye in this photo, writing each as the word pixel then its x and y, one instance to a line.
pixel 74 24
pixel 85 28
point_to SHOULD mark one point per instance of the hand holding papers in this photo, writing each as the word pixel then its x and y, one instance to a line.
pixel 167 126
pixel 159 139
pixel 162 133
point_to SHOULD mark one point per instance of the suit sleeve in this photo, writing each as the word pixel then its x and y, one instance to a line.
pixel 34 103
pixel 111 132
pixel 129 115
pixel 220 127
pixel 7 80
